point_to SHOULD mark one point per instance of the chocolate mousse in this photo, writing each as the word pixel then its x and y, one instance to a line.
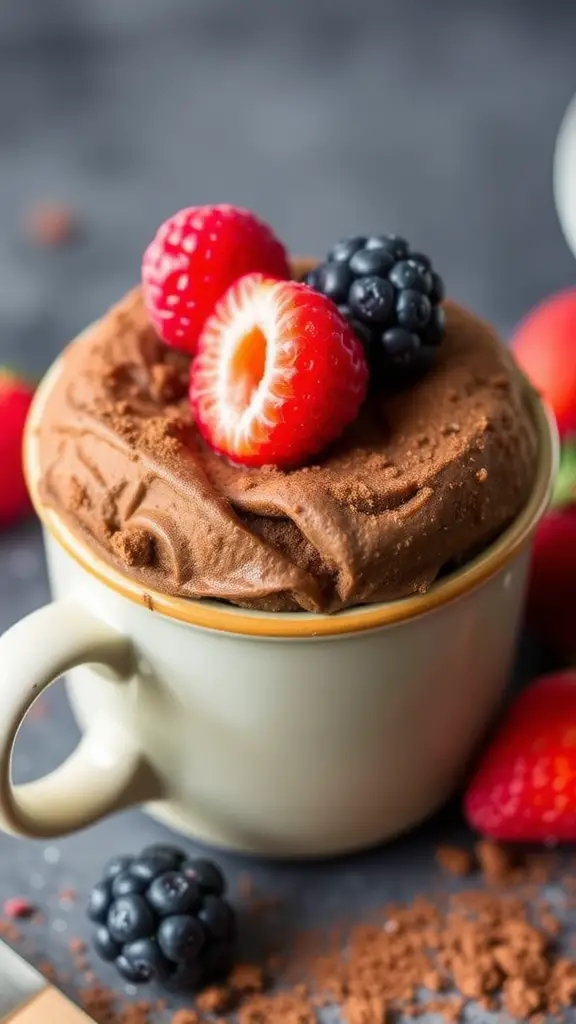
pixel 421 482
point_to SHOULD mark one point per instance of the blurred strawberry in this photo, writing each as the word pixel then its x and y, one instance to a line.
pixel 545 348
pixel 15 399
pixel 524 788
pixel 551 605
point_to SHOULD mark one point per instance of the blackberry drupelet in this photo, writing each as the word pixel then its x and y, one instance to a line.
pixel 162 917
pixel 391 297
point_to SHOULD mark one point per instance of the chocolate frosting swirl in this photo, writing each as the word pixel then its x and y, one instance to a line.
pixel 420 483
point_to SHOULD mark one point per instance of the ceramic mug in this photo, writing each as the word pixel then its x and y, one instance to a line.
pixel 277 734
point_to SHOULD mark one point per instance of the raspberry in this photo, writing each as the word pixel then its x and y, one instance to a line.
pixel 278 376
pixel 194 257
pixel 15 399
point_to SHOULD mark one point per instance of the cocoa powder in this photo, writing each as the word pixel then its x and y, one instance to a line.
pixel 456 861
pixel 489 946
pixel 50 224
pixel 494 946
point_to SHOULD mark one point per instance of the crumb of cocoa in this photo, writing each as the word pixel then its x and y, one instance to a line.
pixel 245 886
pixel 549 923
pixel 50 224
pixel 184 1017
pixel 147 601
pixel 78 497
pixel 167 382
pixel 247 978
pixel 47 970
pixel 497 863
pixel 281 1006
pixel 434 981
pixel 455 860
pixel 134 546
pixel 214 1000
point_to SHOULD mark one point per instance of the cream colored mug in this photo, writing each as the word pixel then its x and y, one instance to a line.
pixel 287 735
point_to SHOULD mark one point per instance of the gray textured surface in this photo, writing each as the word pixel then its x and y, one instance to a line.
pixel 436 120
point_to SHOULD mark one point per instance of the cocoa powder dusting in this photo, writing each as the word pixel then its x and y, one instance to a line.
pixel 405 482
pixel 134 546
pixel 494 946
pixel 456 861
pixel 489 946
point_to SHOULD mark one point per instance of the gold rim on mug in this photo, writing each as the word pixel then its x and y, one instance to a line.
pixel 214 615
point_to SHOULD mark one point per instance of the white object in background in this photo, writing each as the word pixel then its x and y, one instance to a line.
pixel 565 175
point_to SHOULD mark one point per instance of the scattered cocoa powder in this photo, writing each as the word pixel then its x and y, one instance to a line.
pixel 214 1000
pixel 497 863
pixel 245 886
pixel 455 860
pixel 48 970
pixel 247 978
pixel 10 932
pixel 50 224
pixel 184 1017
pixel 134 546
pixel 104 1006
pixel 68 895
pixel 493 946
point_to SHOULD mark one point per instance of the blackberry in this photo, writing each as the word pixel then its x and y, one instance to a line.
pixel 162 917
pixel 391 297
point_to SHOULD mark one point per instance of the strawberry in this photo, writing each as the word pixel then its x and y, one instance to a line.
pixel 524 788
pixel 15 398
pixel 551 604
pixel 278 375
pixel 545 347
pixel 194 257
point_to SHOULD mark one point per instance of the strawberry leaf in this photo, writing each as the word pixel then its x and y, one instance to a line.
pixel 565 486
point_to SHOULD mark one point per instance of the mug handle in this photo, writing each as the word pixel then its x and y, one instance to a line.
pixel 107 771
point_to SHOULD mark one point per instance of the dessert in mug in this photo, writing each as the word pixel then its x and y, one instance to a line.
pixel 281 436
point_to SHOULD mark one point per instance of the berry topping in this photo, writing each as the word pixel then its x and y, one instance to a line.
pixel 142 961
pixel 150 865
pixel 181 938
pixel 371 299
pixel 278 376
pixel 124 884
pixel 396 246
pixel 216 917
pixel 172 926
pixel 194 257
pixel 15 399
pixel 174 893
pixel 105 945
pixel 345 249
pixel 391 298
pixel 129 918
pixel 206 874
pixel 117 866
pixel 99 902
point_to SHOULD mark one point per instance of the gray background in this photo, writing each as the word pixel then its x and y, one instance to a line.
pixel 436 120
